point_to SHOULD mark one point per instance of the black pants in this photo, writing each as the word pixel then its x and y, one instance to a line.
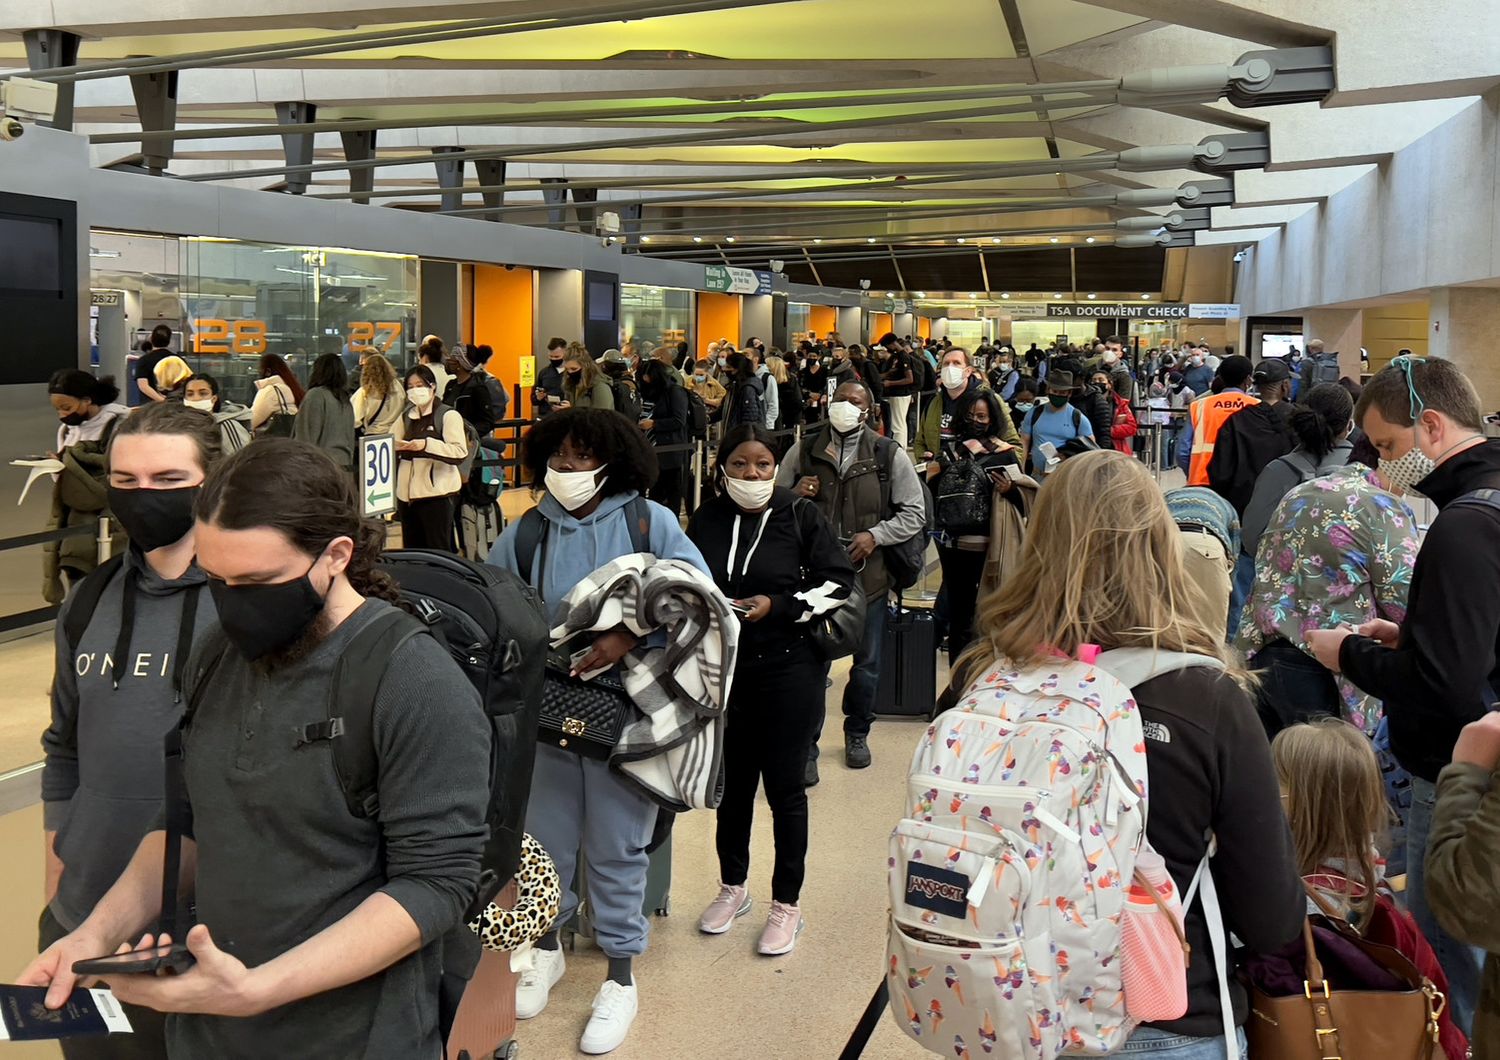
pixel 670 489
pixel 772 713
pixel 427 523
pixel 1295 687
pixel 149 1040
pixel 962 570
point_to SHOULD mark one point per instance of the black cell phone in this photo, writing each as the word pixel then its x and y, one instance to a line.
pixel 739 608
pixel 169 960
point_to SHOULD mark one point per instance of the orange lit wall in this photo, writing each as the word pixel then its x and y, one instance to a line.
pixel 466 304
pixel 718 318
pixel 881 324
pixel 924 327
pixel 502 320
pixel 822 319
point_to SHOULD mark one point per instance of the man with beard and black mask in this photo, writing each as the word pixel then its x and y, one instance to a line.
pixel 840 469
pixel 123 639
pixel 548 392
pixel 317 930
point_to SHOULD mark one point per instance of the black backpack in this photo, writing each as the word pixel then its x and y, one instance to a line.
pixel 905 560
pixel 697 414
pixel 626 401
pixel 490 623
pixel 964 495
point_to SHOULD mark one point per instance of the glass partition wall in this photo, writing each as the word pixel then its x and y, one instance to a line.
pixel 654 316
pixel 228 302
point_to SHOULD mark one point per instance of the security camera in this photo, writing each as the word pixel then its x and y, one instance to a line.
pixel 777 265
pixel 864 285
pixel 10 129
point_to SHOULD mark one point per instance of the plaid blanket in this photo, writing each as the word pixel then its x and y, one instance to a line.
pixel 674 751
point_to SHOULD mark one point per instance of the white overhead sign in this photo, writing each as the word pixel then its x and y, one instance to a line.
pixel 1213 311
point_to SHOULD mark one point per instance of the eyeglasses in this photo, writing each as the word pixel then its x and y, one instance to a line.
pixel 1408 366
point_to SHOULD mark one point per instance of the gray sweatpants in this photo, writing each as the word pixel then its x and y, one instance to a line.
pixel 578 804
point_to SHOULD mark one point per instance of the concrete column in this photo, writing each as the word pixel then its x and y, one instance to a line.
pixel 1341 330
pixel 755 318
pixel 851 324
pixel 1463 322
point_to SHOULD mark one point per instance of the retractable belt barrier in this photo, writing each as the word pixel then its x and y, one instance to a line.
pixel 98 528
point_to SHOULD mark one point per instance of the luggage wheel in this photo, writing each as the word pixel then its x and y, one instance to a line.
pixel 665 909
pixel 509 1051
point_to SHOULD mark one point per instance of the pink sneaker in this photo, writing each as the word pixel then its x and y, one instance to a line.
pixel 782 928
pixel 723 911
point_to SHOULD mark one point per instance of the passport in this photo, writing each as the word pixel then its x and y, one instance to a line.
pixel 25 1017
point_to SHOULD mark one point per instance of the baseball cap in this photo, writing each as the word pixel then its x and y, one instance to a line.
pixel 1272 370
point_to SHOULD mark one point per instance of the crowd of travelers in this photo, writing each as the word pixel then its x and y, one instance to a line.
pixel 1294 674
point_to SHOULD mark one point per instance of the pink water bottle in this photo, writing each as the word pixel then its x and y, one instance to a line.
pixel 1153 950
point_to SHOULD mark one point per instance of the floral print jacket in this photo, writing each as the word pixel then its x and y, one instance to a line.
pixel 1338 549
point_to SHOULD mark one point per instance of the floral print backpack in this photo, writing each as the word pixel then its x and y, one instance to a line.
pixel 1009 874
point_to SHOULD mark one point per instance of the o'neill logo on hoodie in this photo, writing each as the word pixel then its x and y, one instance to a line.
pixel 940 890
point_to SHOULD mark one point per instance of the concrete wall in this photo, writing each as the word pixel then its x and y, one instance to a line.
pixel 439 310
pixel 559 307
pixel 1390 328
pixel 755 318
pixel 1428 217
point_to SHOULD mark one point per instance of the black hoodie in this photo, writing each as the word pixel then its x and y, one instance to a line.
pixel 1442 674
pixel 788 549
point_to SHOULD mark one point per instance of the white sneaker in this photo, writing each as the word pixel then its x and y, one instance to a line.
pixel 614 1011
pixel 532 991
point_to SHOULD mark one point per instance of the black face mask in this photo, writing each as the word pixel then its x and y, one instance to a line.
pixel 971 429
pixel 259 619
pixel 153 518
pixel 74 419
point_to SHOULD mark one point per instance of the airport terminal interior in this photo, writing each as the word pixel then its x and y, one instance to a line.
pixel 1161 327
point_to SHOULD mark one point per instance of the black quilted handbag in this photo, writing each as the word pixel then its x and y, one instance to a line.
pixel 585 717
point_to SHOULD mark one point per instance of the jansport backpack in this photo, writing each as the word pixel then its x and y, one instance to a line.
pixel 963 497
pixel 1008 877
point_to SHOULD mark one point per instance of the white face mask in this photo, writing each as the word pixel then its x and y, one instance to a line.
pixel 750 495
pixel 953 375
pixel 574 489
pixel 420 396
pixel 201 404
pixel 1407 470
pixel 845 416
pixel 1110 356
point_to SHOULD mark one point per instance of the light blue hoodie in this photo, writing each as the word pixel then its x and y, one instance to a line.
pixel 575 548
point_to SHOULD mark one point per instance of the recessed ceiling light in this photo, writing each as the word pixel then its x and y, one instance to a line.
pixel 1093 296
pixel 890 294
pixel 1090 239
pixel 697 239
pixel 973 295
pixel 1054 239
pixel 871 239
pixel 920 294
pixel 1057 296
pixel 729 240
pixel 1145 296
pixel 645 239
pixel 818 240
pixel 1005 294
pixel 995 240
pixel 960 239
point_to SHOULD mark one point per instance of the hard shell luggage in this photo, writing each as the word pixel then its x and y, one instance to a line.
pixel 908 664
pixel 485 1024
pixel 657 902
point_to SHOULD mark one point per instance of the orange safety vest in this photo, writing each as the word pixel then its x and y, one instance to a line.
pixel 1208 415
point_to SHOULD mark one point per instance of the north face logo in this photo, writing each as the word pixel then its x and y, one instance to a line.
pixel 1155 730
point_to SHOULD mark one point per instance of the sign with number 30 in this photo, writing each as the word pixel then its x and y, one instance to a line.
pixel 377 479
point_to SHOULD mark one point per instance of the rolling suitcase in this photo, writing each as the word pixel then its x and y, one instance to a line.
pixel 908 663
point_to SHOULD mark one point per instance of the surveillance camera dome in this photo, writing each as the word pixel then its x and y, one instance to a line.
pixel 10 129
pixel 864 285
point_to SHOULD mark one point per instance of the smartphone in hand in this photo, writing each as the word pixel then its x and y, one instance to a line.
pixel 158 960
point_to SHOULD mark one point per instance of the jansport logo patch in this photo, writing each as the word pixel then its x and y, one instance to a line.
pixel 939 890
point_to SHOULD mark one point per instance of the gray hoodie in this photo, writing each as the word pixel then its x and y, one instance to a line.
pixel 102 781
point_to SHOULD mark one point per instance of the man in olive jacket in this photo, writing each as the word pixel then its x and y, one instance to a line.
pixel 1463 864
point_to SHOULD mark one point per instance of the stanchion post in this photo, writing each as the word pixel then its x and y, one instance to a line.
pixel 698 461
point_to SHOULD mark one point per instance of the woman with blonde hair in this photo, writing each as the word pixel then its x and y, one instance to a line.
pixel 380 399
pixel 788 391
pixel 1102 565
pixel 584 386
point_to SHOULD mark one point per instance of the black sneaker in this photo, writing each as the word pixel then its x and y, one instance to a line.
pixel 856 752
pixel 810 775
